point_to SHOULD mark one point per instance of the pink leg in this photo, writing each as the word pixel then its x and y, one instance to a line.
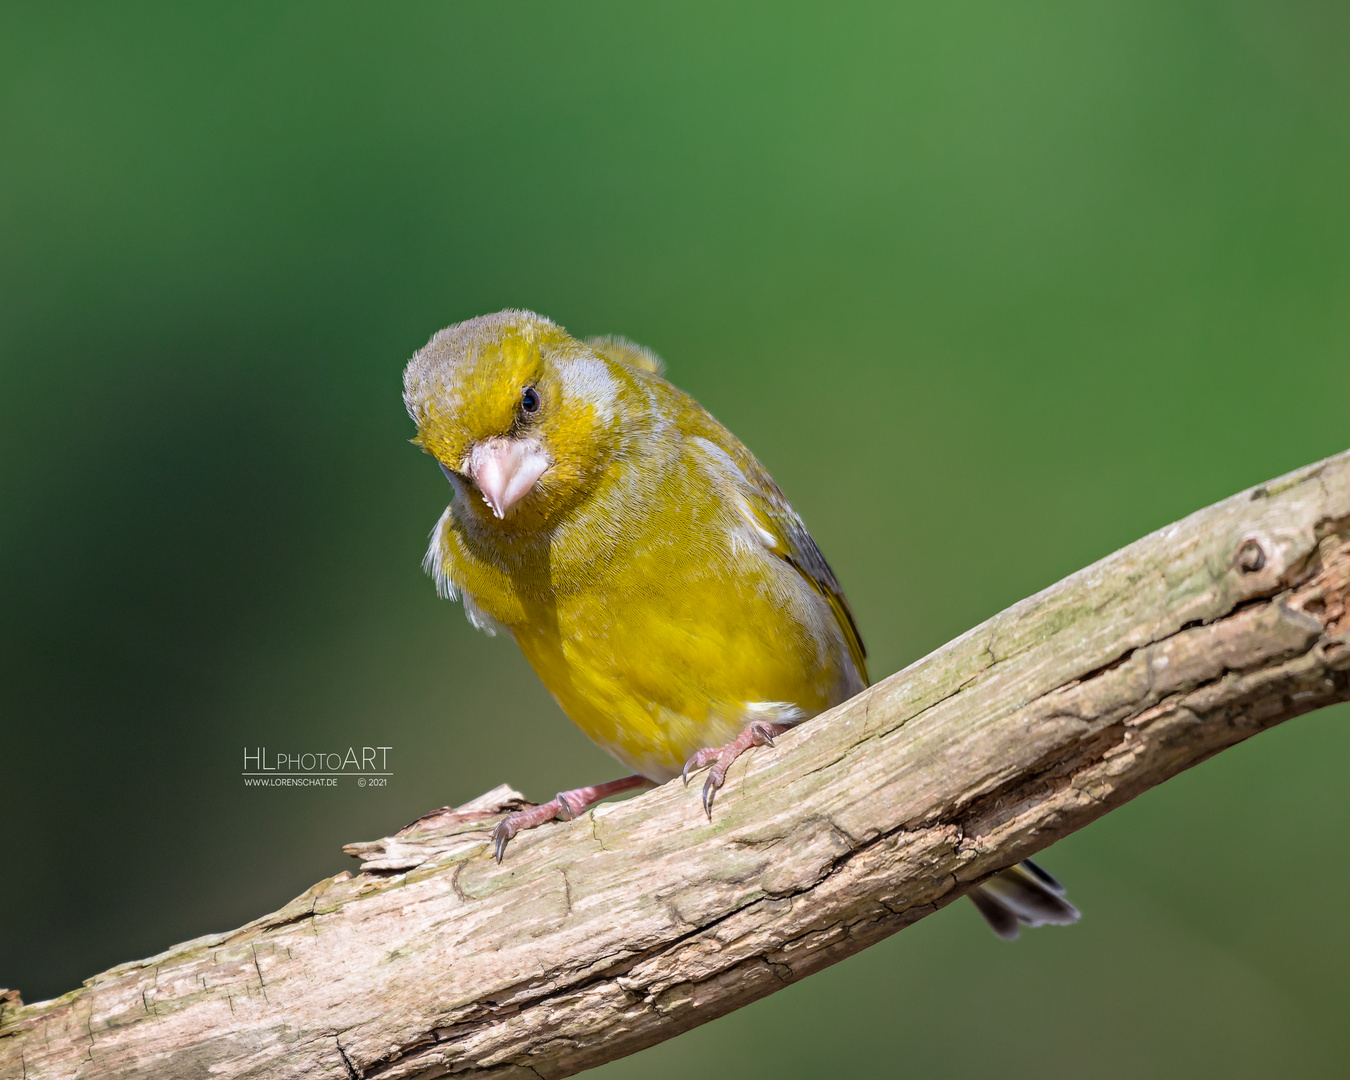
pixel 565 805
pixel 720 757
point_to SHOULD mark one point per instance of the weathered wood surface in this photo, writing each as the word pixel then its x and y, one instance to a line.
pixel 640 920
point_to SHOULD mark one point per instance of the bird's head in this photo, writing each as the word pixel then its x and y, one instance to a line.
pixel 520 416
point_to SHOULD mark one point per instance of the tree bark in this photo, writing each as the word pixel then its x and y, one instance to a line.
pixel 601 936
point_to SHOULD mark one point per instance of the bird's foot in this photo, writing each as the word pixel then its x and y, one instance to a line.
pixel 565 805
pixel 760 733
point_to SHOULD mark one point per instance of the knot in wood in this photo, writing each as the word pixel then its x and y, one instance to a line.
pixel 1251 557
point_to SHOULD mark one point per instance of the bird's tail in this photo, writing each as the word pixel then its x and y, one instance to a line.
pixel 1023 895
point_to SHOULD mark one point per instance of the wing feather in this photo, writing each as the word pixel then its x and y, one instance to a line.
pixel 784 533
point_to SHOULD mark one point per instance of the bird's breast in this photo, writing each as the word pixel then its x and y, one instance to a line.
pixel 657 665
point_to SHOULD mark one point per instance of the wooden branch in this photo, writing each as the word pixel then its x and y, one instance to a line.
pixel 640 920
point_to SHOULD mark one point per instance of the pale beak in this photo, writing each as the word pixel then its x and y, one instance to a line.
pixel 506 470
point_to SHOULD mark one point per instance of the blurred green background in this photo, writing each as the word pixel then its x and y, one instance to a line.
pixel 991 289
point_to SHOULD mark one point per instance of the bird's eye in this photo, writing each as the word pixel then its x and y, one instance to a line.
pixel 529 401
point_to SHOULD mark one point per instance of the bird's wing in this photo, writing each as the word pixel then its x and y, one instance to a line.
pixel 783 532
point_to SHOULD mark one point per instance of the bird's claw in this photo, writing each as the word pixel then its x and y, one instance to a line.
pixel 501 836
pixel 698 759
pixel 721 758
pixel 710 789
pixel 567 805
pixel 528 818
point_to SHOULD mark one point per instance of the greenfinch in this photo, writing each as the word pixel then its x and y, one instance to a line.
pixel 647 565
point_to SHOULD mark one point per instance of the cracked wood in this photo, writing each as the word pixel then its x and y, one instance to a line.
pixel 640 920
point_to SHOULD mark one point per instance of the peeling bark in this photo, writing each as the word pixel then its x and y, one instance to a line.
pixel 638 921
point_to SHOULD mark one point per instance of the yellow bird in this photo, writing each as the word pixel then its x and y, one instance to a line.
pixel 649 568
